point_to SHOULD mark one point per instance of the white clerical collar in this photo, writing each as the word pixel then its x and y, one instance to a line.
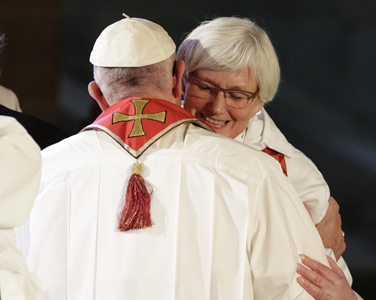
pixel 252 135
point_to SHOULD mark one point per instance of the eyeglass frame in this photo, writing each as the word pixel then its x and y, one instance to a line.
pixel 217 89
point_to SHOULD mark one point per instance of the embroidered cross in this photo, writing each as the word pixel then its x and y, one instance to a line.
pixel 137 129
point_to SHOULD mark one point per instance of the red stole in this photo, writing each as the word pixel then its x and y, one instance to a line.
pixel 136 123
pixel 278 156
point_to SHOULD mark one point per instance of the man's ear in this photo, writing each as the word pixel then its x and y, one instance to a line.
pixel 177 85
pixel 95 92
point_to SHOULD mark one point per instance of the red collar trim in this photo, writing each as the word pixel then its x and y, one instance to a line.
pixel 136 123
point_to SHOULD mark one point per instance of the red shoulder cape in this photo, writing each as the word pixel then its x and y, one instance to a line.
pixel 136 123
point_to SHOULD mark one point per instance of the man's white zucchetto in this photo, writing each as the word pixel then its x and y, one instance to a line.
pixel 132 42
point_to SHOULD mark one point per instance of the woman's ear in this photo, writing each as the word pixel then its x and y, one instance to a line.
pixel 96 93
pixel 258 106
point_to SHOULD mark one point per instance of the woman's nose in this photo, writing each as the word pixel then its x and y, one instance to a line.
pixel 218 104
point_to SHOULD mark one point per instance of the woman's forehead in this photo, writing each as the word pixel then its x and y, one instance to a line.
pixel 228 79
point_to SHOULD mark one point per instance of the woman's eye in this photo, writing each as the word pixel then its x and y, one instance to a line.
pixel 204 88
pixel 236 96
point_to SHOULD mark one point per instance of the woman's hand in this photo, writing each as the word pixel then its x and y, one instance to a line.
pixel 330 229
pixel 323 283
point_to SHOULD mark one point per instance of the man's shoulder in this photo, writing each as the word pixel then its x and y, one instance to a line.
pixel 228 153
pixel 223 144
pixel 72 148
pixel 66 145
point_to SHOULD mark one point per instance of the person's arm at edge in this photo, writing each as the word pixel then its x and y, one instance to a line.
pixel 21 162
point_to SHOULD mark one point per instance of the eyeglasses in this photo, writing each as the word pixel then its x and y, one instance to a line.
pixel 207 91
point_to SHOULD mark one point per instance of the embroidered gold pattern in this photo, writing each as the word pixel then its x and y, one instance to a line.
pixel 137 129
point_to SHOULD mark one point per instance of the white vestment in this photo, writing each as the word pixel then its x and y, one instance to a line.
pixel 225 226
pixel 9 99
pixel 20 165
pixel 302 172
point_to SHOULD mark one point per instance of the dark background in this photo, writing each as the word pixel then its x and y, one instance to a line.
pixel 325 104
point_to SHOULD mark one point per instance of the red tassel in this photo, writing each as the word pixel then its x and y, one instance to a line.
pixel 136 211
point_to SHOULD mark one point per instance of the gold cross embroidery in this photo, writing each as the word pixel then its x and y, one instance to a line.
pixel 137 129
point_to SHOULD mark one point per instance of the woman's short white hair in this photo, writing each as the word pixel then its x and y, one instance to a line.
pixel 233 44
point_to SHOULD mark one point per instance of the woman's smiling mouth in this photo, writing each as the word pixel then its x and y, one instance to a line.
pixel 214 122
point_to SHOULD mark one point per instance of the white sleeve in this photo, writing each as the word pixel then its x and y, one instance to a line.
pixel 283 231
pixel 314 191
pixel 20 161
pixel 309 184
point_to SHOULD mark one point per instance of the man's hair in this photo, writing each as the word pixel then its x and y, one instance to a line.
pixel 233 44
pixel 120 83
pixel 2 41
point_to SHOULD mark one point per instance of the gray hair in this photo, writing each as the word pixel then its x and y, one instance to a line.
pixel 120 83
pixel 233 44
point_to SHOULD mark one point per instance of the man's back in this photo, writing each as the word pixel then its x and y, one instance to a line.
pixel 220 228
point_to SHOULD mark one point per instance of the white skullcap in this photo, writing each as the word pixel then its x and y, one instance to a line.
pixel 132 42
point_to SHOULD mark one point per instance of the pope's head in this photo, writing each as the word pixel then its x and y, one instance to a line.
pixel 135 58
